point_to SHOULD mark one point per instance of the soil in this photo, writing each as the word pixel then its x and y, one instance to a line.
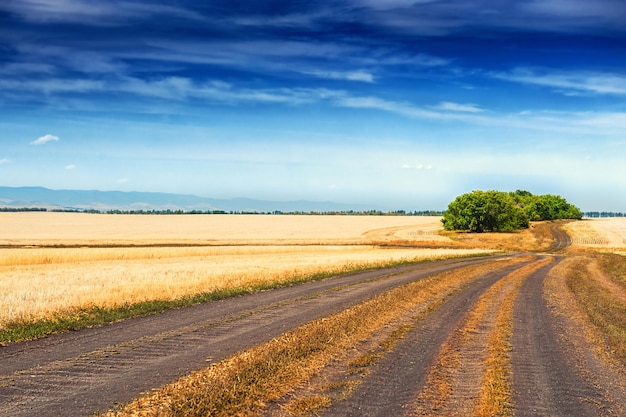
pixel 393 385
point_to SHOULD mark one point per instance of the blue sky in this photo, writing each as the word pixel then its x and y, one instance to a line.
pixel 396 104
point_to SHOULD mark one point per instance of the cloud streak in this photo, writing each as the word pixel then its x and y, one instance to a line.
pixel 110 13
pixel 185 90
pixel 568 82
pixel 362 76
pixel 42 140
pixel 457 107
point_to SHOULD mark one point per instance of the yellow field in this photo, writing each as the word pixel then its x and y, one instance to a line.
pixel 115 259
pixel 607 234
pixel 38 228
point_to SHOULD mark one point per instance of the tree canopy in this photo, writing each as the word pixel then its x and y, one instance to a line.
pixel 499 211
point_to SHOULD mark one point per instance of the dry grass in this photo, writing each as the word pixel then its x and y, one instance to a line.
pixel 307 406
pixel 587 292
pixel 536 238
pixel 496 391
pixel 36 291
pixel 598 285
pixel 245 383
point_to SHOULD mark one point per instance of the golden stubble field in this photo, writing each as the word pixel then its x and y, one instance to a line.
pixel 604 235
pixel 53 263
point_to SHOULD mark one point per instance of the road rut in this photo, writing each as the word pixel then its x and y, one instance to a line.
pixel 545 375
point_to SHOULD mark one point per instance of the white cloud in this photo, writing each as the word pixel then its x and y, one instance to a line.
pixel 95 13
pixel 392 4
pixel 21 68
pixel 122 180
pixel 5 161
pixel 469 108
pixel 568 82
pixel 362 76
pixel 402 108
pixel 574 8
pixel 70 167
pixel 182 89
pixel 53 86
pixel 45 139
pixel 417 167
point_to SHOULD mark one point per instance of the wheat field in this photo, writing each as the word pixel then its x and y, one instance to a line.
pixel 41 228
pixel 52 263
pixel 605 233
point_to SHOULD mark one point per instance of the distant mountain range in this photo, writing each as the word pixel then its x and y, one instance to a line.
pixel 30 197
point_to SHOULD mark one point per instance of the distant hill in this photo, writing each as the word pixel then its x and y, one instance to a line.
pixel 117 200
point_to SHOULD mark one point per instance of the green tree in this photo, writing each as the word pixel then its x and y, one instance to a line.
pixel 485 211
pixel 497 211
pixel 554 207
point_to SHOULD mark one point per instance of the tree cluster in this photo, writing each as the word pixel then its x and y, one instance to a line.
pixel 498 211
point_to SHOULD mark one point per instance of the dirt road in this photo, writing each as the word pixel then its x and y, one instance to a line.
pixel 442 367
pixel 440 352
pixel 81 372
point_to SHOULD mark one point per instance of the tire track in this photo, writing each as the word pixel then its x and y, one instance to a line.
pixel 561 239
pixel 545 377
pixel 393 385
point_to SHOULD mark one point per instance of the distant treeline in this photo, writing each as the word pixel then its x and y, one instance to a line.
pixel 597 214
pixel 275 212
pixel 20 209
pixel 588 214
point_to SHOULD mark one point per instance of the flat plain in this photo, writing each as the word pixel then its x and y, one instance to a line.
pixel 539 329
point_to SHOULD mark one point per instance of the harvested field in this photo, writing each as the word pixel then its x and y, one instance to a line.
pixel 609 233
pixel 58 263
pixel 80 229
pixel 131 275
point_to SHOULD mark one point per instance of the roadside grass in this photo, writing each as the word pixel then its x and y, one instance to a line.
pixel 15 331
pixel 534 239
pixel 604 307
pixel 98 316
pixel 615 266
pixel 245 383
pixel 30 293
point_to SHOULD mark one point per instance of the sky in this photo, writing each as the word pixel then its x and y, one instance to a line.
pixel 394 104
